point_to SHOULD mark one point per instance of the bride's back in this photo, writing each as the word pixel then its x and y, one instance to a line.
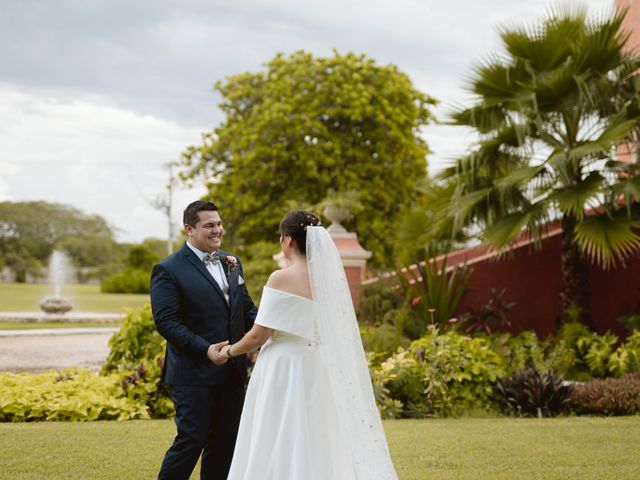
pixel 293 279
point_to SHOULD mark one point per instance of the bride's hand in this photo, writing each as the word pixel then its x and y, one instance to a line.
pixel 214 353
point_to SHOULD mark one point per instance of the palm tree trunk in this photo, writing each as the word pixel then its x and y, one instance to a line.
pixel 575 297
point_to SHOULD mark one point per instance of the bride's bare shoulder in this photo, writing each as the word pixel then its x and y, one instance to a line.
pixel 278 278
pixel 290 280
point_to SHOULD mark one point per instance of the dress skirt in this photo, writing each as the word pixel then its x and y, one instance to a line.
pixel 289 428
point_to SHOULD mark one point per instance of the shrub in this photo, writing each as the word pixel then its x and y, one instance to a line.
pixel 137 341
pixel 532 393
pixel 137 354
pixel 378 299
pixel 459 371
pixel 519 352
pixel 383 339
pixel 594 355
pixel 76 395
pixel 399 387
pixel 610 396
pixel 443 374
pixel 132 280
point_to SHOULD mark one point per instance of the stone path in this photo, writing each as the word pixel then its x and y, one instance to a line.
pixel 37 352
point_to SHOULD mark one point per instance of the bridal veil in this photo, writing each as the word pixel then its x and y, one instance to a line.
pixel 341 350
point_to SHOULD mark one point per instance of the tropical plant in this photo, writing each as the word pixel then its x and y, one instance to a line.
pixel 550 112
pixel 531 393
pixel 490 317
pixel 434 289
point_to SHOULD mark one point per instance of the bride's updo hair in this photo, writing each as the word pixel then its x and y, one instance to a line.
pixel 295 224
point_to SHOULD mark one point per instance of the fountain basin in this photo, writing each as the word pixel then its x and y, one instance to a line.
pixel 55 305
pixel 69 317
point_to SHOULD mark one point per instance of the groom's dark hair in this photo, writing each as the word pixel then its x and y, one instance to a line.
pixel 190 215
pixel 295 225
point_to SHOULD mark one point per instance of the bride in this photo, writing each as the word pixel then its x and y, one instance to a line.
pixel 309 411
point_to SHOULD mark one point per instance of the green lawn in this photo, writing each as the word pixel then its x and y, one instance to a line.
pixel 492 448
pixel 20 297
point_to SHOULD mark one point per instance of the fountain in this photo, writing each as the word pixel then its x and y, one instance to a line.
pixel 60 271
pixel 55 308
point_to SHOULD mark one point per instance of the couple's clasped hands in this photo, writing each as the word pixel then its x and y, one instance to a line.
pixel 216 355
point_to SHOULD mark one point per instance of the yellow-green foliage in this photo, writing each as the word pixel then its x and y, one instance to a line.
pixel 441 374
pixel 76 395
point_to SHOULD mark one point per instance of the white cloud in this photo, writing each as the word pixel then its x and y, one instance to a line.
pixel 97 157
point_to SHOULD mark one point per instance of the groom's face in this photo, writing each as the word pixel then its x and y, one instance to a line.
pixel 208 232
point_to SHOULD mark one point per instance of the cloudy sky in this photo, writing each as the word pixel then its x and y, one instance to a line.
pixel 97 96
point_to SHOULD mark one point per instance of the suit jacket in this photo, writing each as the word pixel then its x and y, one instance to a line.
pixel 190 311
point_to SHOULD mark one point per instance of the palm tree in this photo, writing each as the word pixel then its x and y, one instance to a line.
pixel 550 112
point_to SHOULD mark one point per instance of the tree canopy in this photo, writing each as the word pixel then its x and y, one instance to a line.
pixel 304 125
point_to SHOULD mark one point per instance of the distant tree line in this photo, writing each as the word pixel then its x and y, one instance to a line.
pixel 31 231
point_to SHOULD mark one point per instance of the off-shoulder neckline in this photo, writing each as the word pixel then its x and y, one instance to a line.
pixel 289 293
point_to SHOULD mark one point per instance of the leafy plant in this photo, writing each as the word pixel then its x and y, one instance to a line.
pixel 137 355
pixel 73 394
pixel 442 374
pixel 631 322
pixel 383 339
pixel 136 342
pixel 491 317
pixel 435 291
pixel 378 299
pixel 518 352
pixel 532 393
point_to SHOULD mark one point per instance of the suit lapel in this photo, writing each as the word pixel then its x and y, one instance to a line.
pixel 199 265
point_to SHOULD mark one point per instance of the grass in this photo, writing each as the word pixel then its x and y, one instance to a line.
pixel 21 297
pixel 491 448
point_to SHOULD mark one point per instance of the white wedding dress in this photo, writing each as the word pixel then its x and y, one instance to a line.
pixel 289 426
pixel 309 412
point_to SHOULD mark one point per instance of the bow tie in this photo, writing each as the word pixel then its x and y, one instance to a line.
pixel 213 258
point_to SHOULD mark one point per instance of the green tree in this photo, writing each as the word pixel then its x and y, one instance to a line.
pixel 30 231
pixel 550 111
pixel 305 125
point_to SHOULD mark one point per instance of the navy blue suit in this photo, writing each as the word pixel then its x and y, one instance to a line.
pixel 190 311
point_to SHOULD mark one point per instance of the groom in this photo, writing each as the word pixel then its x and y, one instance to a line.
pixel 199 300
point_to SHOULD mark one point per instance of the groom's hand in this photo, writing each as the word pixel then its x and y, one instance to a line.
pixel 213 353
pixel 251 358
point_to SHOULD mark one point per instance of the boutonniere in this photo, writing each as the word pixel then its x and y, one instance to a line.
pixel 231 261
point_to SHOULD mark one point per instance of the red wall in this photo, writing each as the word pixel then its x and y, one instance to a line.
pixel 532 280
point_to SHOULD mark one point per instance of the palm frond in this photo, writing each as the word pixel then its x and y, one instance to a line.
pixel 503 232
pixel 520 176
pixel 608 239
pixel 573 199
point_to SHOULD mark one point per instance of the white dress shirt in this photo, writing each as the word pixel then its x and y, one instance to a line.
pixel 216 271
